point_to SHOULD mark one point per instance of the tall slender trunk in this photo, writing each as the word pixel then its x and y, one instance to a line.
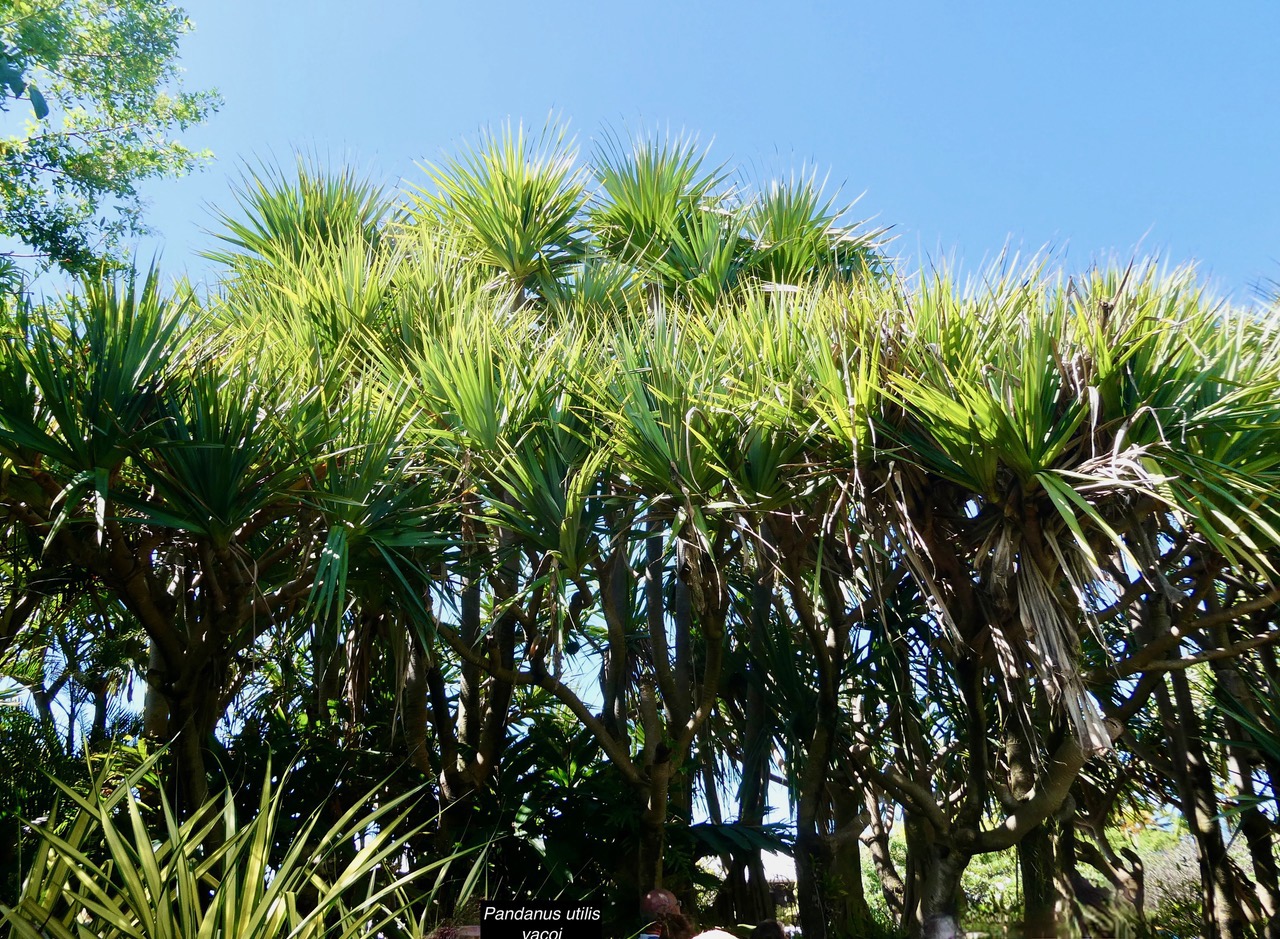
pixel 814 855
pixel 753 900
pixel 1222 916
pixel 415 708
pixel 190 779
pixel 679 812
pixel 810 869
pixel 1037 850
pixel 330 672
pixel 914 830
pixel 1255 827
pixel 1257 831
pixel 810 852
pixel 847 908
pixel 469 685
pixel 101 702
pixel 615 601
pixel 680 704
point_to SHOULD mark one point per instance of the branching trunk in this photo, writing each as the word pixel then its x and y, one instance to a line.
pixel 876 839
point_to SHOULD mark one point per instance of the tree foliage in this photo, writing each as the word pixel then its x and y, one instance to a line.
pixel 91 96
pixel 601 490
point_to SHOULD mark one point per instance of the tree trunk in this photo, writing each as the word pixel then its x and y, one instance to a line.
pixel 752 898
pixel 615 598
pixel 1037 862
pixel 809 893
pixel 469 682
pixel 1255 827
pixel 810 852
pixel 653 827
pixel 190 780
pixel 941 901
pixel 912 922
pixel 415 708
pixel 1258 835
pixel 877 842
pixel 330 672
pixel 101 702
pixel 847 907
pixel 1037 850
pixel 155 707
pixel 1222 916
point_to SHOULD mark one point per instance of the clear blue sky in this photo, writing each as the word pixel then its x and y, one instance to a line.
pixel 1094 128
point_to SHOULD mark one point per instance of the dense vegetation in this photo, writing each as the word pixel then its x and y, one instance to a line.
pixel 586 505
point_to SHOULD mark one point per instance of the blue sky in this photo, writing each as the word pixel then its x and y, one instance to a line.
pixel 1094 129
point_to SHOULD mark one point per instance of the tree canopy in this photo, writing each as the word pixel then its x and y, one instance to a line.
pixel 599 497
pixel 91 93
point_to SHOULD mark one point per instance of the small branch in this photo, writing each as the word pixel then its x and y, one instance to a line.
pixel 1150 655
pixel 1213 655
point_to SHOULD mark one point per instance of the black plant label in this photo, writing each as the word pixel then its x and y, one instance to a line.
pixel 540 919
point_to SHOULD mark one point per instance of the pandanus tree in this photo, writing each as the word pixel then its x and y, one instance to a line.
pixel 1054 461
pixel 677 466
pixel 1204 551
pixel 684 242
pixel 90 390
pixel 149 459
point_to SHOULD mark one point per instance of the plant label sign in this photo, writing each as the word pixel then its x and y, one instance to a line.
pixel 540 919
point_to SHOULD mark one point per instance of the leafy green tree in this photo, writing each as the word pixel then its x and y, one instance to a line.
pixel 659 491
pixel 89 96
